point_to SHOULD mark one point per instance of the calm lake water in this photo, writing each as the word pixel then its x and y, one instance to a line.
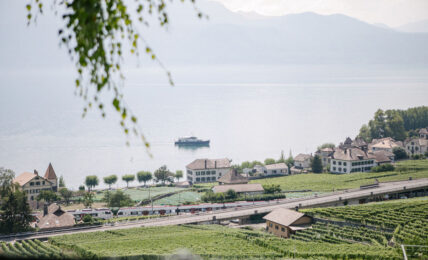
pixel 40 118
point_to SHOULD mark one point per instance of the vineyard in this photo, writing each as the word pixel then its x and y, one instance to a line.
pixel 32 249
pixel 213 241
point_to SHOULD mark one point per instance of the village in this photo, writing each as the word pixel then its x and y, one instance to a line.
pixel 236 184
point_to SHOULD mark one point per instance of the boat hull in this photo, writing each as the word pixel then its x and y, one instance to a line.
pixel 199 143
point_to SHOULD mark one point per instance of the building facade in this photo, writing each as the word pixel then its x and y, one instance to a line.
pixel 284 222
pixel 302 161
pixel 276 169
pixel 207 170
pixel 416 146
pixel 33 183
pixel 348 160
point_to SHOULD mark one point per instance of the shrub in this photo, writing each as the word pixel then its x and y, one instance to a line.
pixel 88 219
pixel 399 153
pixel 383 168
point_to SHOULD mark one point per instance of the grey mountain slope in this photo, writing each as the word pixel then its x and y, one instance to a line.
pixel 416 27
pixel 230 38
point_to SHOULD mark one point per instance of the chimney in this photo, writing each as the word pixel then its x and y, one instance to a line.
pixel 45 209
pixel 215 164
pixel 205 163
pixel 35 172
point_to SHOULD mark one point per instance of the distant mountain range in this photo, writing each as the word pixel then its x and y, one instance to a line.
pixel 292 39
pixel 417 27
pixel 234 38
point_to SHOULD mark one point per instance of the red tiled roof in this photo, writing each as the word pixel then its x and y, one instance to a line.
pixel 50 173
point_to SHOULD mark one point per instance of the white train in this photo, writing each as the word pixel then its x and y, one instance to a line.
pixel 106 213
pixel 162 210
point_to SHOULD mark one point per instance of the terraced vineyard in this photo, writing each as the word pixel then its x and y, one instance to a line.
pixel 32 249
pixel 403 216
pixel 212 241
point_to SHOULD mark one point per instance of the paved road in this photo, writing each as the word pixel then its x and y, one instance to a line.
pixel 383 188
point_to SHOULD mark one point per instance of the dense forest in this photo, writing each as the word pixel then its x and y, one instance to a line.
pixel 395 123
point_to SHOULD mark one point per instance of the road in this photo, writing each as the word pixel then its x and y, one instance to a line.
pixel 384 188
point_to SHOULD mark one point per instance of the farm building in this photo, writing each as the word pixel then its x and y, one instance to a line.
pixel 284 222
pixel 55 217
pixel 232 177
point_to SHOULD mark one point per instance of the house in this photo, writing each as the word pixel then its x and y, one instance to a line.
pixel 416 146
pixel 423 133
pixel 260 169
pixel 276 169
pixel 249 189
pixel 357 143
pixel 182 184
pixel 207 170
pixel 325 154
pixel 55 217
pixel 302 161
pixel 285 222
pixel 385 144
pixel 382 156
pixel 33 183
pixel 347 160
pixel 232 177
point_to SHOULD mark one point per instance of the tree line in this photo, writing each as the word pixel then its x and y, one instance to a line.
pixel 161 175
pixel 395 123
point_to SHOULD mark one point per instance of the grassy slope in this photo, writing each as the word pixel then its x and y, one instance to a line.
pixel 187 196
pixel 327 182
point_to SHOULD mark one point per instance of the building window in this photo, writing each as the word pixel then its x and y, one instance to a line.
pixel 31 183
pixel 276 227
pixel 340 169
pixel 38 183
pixel 340 163
pixel 43 182
pixel 283 229
pixel 334 162
pixel 344 163
pixel 270 224
pixel 198 179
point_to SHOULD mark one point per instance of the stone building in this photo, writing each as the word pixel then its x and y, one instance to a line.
pixel 285 222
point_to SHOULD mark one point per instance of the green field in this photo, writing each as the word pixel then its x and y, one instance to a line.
pixel 180 198
pixel 138 194
pixel 328 182
pixel 389 224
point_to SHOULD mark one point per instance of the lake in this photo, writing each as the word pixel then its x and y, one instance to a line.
pixel 247 115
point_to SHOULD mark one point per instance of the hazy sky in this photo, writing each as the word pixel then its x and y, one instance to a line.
pixel 390 12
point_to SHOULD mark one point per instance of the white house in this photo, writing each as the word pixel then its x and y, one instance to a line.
pixel 347 160
pixel 384 144
pixel 207 170
pixel 423 133
pixel 416 146
pixel 276 169
pixel 325 154
pixel 302 161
